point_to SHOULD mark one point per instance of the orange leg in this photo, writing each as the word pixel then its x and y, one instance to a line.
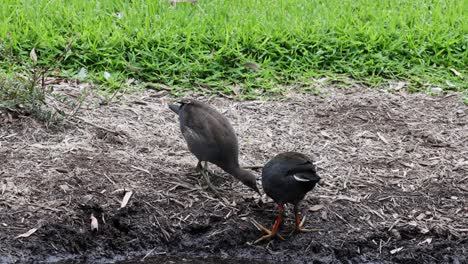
pixel 274 230
pixel 298 217
pixel 299 224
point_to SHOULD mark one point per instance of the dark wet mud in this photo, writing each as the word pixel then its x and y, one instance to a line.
pixel 163 260
pixel 191 260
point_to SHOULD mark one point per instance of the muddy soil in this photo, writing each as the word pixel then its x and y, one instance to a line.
pixel 394 190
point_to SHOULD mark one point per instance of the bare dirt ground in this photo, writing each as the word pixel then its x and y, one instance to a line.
pixel 394 169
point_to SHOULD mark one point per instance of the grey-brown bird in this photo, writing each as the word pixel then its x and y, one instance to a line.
pixel 287 178
pixel 211 138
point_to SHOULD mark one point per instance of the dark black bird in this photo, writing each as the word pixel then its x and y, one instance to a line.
pixel 286 179
pixel 211 138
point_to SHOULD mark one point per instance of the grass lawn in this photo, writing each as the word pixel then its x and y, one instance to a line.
pixel 219 44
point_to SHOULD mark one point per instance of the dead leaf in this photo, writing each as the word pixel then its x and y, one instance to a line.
pixel 436 90
pixel 68 46
pixel 133 68
pixel 107 75
pixel 127 196
pixel 449 83
pixel 347 198
pixel 421 216
pixel 27 234
pixel 258 91
pixel 173 2
pixel 33 55
pixel 424 230
pixel 118 190
pixel 316 207
pixel 396 234
pixel 236 89
pixel 399 85
pixel 382 138
pixel 325 134
pixel 426 241
pixel 396 250
pixel 94 223
pixel 251 65
pixel 456 72
pixel 365 134
pixel 82 74
pixel 64 187
pixel 324 215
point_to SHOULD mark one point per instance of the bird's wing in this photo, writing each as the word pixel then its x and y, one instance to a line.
pixel 209 128
pixel 191 135
pixel 302 169
pixel 301 178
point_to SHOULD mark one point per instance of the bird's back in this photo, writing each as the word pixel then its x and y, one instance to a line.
pixel 288 177
pixel 209 135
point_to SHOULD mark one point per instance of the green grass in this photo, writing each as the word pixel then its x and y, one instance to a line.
pixel 28 95
pixel 293 41
pixel 22 95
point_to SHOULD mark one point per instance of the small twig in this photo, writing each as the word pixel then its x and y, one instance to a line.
pixel 394 224
pixel 151 252
pixel 218 232
pixel 382 138
pixel 107 176
pixel 310 244
pixel 14 134
pixel 112 97
pixel 346 179
pixel 141 169
pixel 166 235
pixel 158 86
pixel 97 126
pixel 341 218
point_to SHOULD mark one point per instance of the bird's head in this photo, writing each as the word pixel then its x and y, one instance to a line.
pixel 248 179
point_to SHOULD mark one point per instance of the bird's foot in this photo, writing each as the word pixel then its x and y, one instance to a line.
pixel 266 230
pixel 210 186
pixel 300 228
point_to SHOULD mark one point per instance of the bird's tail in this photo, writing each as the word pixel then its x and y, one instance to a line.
pixel 175 108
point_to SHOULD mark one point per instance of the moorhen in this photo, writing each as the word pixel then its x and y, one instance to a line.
pixel 286 179
pixel 211 138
